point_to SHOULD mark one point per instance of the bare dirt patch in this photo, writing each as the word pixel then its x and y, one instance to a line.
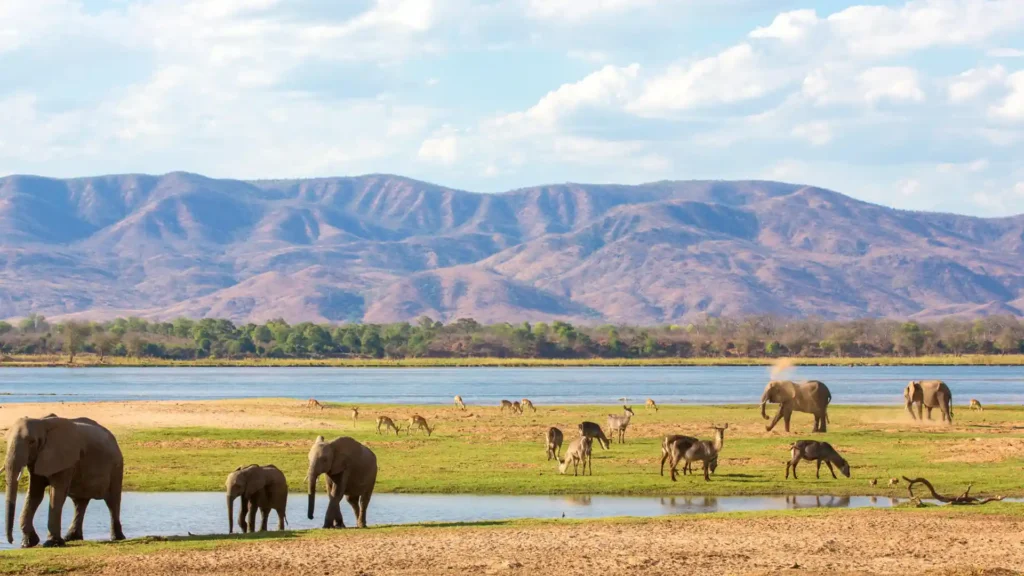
pixel 980 450
pixel 928 544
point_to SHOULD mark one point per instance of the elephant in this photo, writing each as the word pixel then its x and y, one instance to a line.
pixel 351 471
pixel 812 397
pixel 929 394
pixel 76 458
pixel 259 487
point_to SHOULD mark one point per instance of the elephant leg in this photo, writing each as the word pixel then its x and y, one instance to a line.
pixel 775 420
pixel 254 507
pixel 265 513
pixel 114 507
pixel 929 412
pixel 59 485
pixel 786 418
pixel 34 497
pixel 920 411
pixel 364 505
pixel 74 533
pixel 353 501
pixel 243 515
pixel 823 426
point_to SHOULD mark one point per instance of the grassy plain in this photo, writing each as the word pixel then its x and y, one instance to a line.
pixel 191 446
pixel 92 361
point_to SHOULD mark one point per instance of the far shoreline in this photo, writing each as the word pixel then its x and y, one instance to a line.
pixel 91 361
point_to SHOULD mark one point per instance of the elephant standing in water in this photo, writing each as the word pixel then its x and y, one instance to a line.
pixel 929 394
pixel 812 397
pixel 351 471
pixel 76 458
pixel 262 488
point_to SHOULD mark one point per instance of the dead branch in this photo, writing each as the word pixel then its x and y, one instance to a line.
pixel 963 500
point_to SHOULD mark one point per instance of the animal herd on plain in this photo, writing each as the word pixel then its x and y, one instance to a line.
pixel 77 458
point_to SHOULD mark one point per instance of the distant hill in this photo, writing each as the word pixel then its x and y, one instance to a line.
pixel 384 248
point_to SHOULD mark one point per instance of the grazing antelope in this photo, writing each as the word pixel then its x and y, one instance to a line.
pixel 314 403
pixel 458 403
pixel 667 448
pixel 578 452
pixel 506 404
pixel 387 423
pixel 650 404
pixel 592 430
pixel 975 405
pixel 417 421
pixel 554 442
pixel 617 424
pixel 526 403
pixel 706 451
pixel 817 451
pixel 893 482
pixel 517 408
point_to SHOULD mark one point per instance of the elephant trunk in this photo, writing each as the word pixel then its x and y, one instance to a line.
pixel 231 514
pixel 764 405
pixel 312 494
pixel 15 464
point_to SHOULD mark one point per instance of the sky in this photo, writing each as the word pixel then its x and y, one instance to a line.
pixel 916 105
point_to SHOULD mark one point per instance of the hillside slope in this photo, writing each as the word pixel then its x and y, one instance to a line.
pixel 387 248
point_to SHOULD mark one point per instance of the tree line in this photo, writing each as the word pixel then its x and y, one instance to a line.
pixel 711 337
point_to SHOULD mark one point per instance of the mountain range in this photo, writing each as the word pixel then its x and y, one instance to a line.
pixel 383 248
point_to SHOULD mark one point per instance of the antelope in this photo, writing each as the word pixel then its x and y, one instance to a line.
pixel 526 403
pixel 592 430
pixel 667 448
pixel 706 451
pixel 617 424
pixel 458 403
pixel 417 421
pixel 517 408
pixel 554 442
pixel 975 405
pixel 817 451
pixel 578 452
pixel 387 423
pixel 355 414
pixel 893 482
pixel 650 404
pixel 506 404
pixel 314 403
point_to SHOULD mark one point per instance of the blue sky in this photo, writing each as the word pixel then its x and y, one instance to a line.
pixel 917 105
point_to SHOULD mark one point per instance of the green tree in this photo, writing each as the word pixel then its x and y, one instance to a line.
pixel 5 327
pixel 910 338
pixel 74 334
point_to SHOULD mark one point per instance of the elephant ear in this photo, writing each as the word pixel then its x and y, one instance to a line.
pixel 912 388
pixel 786 390
pixel 61 449
pixel 255 480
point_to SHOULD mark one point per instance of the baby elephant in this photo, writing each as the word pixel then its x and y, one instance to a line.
pixel 259 487
pixel 817 451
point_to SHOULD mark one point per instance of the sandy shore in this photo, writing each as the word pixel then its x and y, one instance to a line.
pixel 860 542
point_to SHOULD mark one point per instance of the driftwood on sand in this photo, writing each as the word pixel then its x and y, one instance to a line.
pixel 964 499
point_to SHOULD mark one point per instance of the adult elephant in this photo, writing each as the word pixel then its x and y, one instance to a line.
pixel 76 458
pixel 929 394
pixel 812 397
pixel 351 471
pixel 262 488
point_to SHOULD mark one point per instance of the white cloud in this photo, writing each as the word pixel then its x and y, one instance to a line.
pixel 789 26
pixel 576 10
pixel 441 149
pixel 909 187
pixel 1018 189
pixel 592 56
pixel 840 85
pixel 1005 53
pixel 890 83
pixel 979 165
pixel 817 133
pixel 611 85
pixel 1012 106
pixel 884 30
pixel 734 75
pixel 974 82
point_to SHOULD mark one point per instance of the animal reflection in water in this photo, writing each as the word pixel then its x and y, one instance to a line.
pixel 819 502
pixel 685 502
pixel 578 500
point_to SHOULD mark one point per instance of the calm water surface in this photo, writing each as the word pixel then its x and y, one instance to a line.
pixel 177 514
pixel 599 385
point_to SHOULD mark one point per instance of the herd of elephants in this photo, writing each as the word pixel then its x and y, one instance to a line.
pixel 77 458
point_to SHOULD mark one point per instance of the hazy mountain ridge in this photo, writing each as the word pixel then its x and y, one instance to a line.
pixel 385 248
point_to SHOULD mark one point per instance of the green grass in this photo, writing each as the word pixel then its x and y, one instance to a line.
pixel 86 361
pixel 483 452
pixel 88 556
